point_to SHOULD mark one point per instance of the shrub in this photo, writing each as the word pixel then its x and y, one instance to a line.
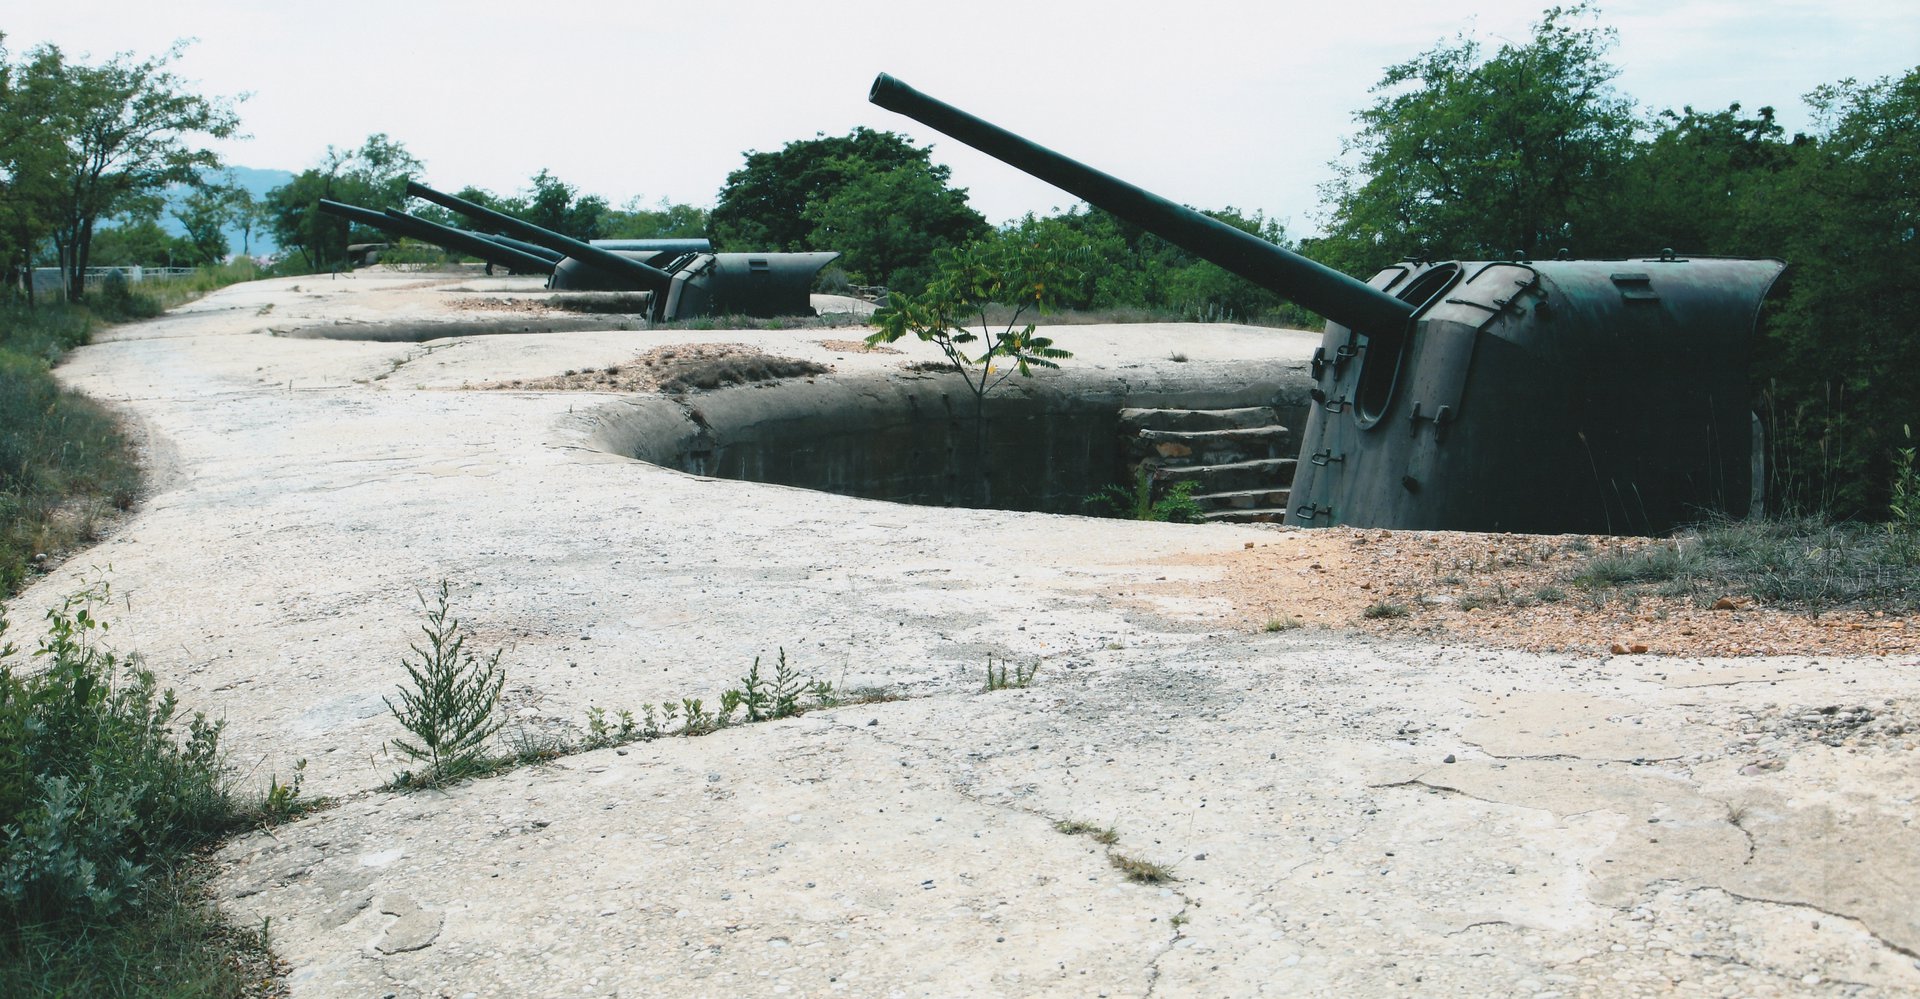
pixel 94 785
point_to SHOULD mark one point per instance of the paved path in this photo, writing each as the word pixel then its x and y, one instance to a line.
pixel 1341 816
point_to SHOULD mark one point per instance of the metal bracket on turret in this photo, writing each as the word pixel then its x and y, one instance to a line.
pixel 1325 458
pixel 1341 355
pixel 1439 419
pixel 1313 511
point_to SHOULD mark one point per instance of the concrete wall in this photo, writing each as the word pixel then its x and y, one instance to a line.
pixel 912 438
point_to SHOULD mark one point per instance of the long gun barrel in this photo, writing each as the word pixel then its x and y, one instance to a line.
pixel 606 260
pixel 403 224
pixel 1309 283
pixel 555 256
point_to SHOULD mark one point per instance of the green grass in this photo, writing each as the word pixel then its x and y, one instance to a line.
pixel 1806 563
pixel 64 462
pixel 1104 835
pixel 175 945
pixel 1140 871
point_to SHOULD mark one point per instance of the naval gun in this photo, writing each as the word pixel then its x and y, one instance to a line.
pixel 685 277
pixel 472 244
pixel 1549 396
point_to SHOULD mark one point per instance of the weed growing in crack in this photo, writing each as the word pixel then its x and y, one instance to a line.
pixel 782 698
pixel 1103 835
pixel 1019 676
pixel 452 709
pixel 1140 871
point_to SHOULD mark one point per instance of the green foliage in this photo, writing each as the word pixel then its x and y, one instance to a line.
pixel 373 176
pixel 1116 265
pixel 451 709
pixel 174 945
pixel 872 195
pixel 141 242
pixel 890 224
pixel 1839 357
pixel 1017 274
pixel 1806 563
pixel 99 141
pixel 1474 156
pixel 58 451
pixel 1903 526
pixel 1175 505
pixel 552 204
pixel 783 697
pixel 665 220
pixel 1012 677
pixel 95 788
pixel 103 798
pixel 1385 609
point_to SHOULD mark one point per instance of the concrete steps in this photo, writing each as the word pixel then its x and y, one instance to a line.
pixel 1232 458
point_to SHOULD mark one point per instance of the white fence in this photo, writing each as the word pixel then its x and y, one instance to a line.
pixel 49 280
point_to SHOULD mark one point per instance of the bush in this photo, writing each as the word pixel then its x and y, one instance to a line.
pixel 96 790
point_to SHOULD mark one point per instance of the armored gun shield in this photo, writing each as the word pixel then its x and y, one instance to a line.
pixel 1595 396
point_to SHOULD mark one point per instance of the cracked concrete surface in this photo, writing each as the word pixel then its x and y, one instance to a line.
pixel 1603 827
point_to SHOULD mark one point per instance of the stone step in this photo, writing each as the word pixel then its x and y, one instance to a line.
pixel 1238 515
pixel 1200 437
pixel 1231 475
pixel 1244 499
pixel 1132 420
pixel 1211 447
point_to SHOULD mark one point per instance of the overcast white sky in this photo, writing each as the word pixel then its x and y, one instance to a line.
pixel 1208 102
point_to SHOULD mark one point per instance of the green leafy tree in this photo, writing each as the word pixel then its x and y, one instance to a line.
pixel 123 132
pixel 141 242
pixel 890 223
pixel 373 176
pixel 1839 360
pixel 205 214
pixel 551 204
pixel 30 158
pixel 863 194
pixel 1695 185
pixel 1467 155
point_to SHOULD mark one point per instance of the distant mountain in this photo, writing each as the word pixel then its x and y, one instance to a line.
pixel 254 181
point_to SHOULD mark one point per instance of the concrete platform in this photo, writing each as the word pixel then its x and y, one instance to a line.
pixel 1342 816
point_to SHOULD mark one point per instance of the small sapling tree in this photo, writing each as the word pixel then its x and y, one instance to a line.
pixel 971 286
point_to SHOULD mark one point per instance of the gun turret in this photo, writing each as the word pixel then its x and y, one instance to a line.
pixel 1596 396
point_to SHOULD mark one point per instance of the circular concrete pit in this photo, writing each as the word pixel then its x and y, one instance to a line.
pixel 915 437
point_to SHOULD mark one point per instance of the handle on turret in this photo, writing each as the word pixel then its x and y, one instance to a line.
pixel 1311 284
